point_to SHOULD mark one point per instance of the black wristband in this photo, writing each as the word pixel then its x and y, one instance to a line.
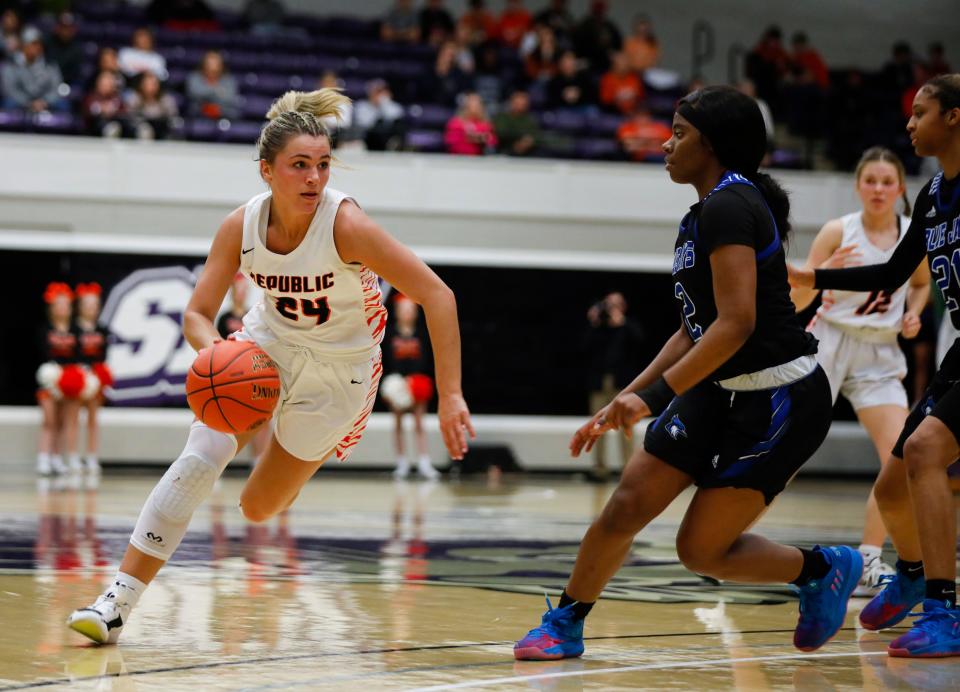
pixel 657 396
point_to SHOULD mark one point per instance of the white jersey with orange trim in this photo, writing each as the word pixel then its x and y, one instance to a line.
pixel 311 297
pixel 877 311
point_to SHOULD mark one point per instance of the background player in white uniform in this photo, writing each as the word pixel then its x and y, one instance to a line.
pixel 317 256
pixel 858 331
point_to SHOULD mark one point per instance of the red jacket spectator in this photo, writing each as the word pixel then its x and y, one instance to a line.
pixel 469 132
pixel 514 23
pixel 808 63
pixel 620 89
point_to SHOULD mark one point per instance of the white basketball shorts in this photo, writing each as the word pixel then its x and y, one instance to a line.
pixel 324 404
pixel 867 374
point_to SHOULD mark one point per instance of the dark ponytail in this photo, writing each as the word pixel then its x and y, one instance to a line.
pixel 777 199
pixel 946 89
pixel 732 124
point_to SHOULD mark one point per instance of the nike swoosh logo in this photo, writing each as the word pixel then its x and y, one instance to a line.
pixel 356 381
pixel 243 252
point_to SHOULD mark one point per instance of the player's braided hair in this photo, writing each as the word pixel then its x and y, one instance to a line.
pixel 298 113
pixel 946 89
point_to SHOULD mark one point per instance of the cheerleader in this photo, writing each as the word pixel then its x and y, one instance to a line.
pixel 93 339
pixel 57 376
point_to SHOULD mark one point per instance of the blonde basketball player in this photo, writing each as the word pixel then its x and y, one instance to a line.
pixel 858 331
pixel 317 255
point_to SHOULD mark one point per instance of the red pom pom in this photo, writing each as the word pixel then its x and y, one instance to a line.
pixel 71 381
pixel 421 387
pixel 103 374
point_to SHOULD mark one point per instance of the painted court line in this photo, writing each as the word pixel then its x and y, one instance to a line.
pixel 632 669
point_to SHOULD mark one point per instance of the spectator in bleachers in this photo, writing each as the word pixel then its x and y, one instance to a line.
pixel 341 128
pixel 557 16
pixel 29 82
pixel 642 47
pixel 211 90
pixel 767 64
pixel 806 63
pixel 10 27
pixel 489 80
pixel 182 15
pixel 379 119
pixel 620 88
pixel 642 137
pixel 103 109
pixel 63 49
pixel 596 37
pixel 264 17
pixel 518 132
pixel 470 132
pixel 401 24
pixel 465 59
pixel 936 60
pixel 106 60
pixel 514 23
pixel 477 23
pixel 541 64
pixel 140 56
pixel 436 24
pixel 447 81
pixel 150 109
pixel 850 113
pixel 898 73
pixel 571 87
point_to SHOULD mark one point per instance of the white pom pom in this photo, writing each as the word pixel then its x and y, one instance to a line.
pixel 91 385
pixel 48 375
pixel 396 392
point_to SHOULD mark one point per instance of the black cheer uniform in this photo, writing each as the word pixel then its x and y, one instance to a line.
pixel 58 346
pixel 92 344
pixel 935 232
pixel 727 433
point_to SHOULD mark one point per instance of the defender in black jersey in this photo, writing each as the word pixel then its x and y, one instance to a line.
pixel 913 491
pixel 740 399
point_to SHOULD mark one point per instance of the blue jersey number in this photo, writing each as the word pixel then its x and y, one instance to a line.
pixel 689 310
pixel 944 271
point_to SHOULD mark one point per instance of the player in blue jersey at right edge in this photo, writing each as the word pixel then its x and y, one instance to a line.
pixel 740 399
pixel 919 514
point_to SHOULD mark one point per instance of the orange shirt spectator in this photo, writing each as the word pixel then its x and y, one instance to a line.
pixel 642 137
pixel 514 23
pixel 477 24
pixel 620 89
pixel 642 47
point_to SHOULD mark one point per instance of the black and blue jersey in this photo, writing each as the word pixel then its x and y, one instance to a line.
pixel 735 213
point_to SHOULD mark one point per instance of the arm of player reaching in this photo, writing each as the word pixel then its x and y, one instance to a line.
pixel 822 250
pixel 918 294
pixel 360 239
pixel 621 408
pixel 218 271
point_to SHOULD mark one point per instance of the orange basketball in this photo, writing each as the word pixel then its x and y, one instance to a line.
pixel 233 386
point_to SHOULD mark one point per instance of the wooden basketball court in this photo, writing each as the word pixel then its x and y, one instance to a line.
pixel 369 583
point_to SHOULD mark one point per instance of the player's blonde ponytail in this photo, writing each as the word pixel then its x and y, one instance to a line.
pixel 320 103
pixel 299 113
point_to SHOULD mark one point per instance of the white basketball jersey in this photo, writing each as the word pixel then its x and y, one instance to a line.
pixel 877 309
pixel 311 297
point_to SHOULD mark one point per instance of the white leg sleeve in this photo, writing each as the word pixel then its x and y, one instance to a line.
pixel 187 483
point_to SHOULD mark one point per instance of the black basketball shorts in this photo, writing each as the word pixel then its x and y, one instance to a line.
pixel 757 439
pixel 941 400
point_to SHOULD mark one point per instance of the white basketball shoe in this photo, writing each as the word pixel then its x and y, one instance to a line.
pixel 103 621
pixel 870 584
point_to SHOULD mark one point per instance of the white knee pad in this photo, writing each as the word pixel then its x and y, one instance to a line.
pixel 187 483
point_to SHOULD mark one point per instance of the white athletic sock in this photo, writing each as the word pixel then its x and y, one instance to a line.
pixel 869 552
pixel 131 588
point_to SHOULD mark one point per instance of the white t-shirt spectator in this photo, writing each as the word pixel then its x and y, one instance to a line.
pixel 133 61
